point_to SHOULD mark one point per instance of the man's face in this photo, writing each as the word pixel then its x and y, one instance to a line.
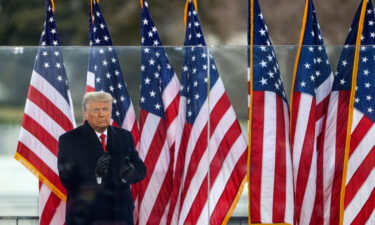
pixel 98 115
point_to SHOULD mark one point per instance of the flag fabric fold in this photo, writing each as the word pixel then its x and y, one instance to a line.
pixel 210 166
pixel 48 114
pixel 270 167
pixel 159 126
pixel 349 131
pixel 312 84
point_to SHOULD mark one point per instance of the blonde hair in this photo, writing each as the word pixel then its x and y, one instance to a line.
pixel 96 96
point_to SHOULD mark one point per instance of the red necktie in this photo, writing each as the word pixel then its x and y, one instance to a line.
pixel 102 140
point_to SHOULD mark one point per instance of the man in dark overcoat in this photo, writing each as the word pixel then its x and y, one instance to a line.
pixel 97 163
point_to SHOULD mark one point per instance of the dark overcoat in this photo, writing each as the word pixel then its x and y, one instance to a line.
pixel 88 202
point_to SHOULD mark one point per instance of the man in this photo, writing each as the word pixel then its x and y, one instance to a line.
pixel 97 163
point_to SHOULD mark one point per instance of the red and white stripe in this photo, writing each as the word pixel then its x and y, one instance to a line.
pixel 157 146
pixel 333 152
pixel 47 115
pixel 359 198
pixel 271 178
pixel 308 114
pixel 211 173
pixel 51 207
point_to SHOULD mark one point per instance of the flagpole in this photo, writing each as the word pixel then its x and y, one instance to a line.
pixel 53 5
pixel 351 109
pixel 302 36
pixel 251 76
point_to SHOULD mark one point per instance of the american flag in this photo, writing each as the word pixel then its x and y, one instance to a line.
pixel 48 114
pixel 271 178
pixel 353 163
pixel 104 72
pixel 312 85
pixel 211 163
pixel 159 104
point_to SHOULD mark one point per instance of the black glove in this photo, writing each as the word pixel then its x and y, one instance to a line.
pixel 102 165
pixel 126 170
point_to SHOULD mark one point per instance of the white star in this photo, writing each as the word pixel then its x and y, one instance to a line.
pixel 303 84
pixel 119 86
pixel 45 53
pixel 312 78
pixel 263 48
pixel 146 50
pixel 101 51
pixel 152 62
pixel 105 63
pixel 311 49
pixel 198 35
pixel 150 34
pixel 307 66
pixel 205 67
pixel 156 43
pixel 111 88
pixel 98 80
pixel 157 106
pixel 189 114
pixel 122 98
pixel 366 72
pixel 53 31
pixel 270 58
pixel 46 65
pixel 195 83
pixel 367 85
pixel 117 113
pixel 263 81
pixel 356 100
pixel 368 97
pixel 156 74
pixel 169 66
pixel 142 68
pixel 262 32
pixel 147 80
pixel 55 43
pixel 344 63
pixel 317 73
pixel 372 34
pixel 196 24
pixel 364 59
pixel 157 54
pixel 196 96
pixel 263 64
pixel 97 41
pixel 114 60
pixel 142 99
pixel 106 38
pixel 370 22
pixel 108 75
pixel 145 21
pixel 204 55
pixel 59 78
pixel 342 81
pixel 152 94
pixel 185 68
pixel 58 65
pixel 369 110
pixel 154 29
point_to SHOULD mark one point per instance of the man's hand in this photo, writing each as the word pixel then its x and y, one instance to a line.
pixel 126 170
pixel 102 165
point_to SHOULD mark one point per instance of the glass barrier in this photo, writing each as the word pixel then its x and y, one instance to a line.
pixel 206 161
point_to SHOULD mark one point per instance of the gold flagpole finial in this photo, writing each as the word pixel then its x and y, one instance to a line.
pixel 141 3
pixel 195 2
pixel 53 5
